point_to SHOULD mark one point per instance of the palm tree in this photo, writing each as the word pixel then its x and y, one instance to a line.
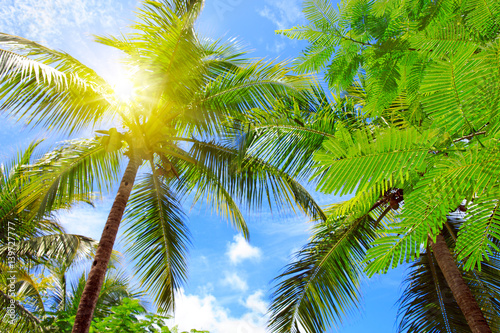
pixel 427 303
pixel 433 65
pixel 186 91
pixel 321 285
pixel 26 240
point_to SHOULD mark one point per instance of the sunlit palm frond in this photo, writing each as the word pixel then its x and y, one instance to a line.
pixel 236 92
pixel 55 97
pixel 71 173
pixel 157 238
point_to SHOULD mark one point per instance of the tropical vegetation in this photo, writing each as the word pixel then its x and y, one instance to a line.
pixel 31 244
pixel 410 133
pixel 413 137
pixel 40 263
pixel 186 90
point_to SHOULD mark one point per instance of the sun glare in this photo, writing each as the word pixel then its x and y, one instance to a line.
pixel 124 89
pixel 121 82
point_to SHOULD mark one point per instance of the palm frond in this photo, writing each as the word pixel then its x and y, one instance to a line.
pixel 115 288
pixel 250 180
pixel 65 247
pixel 71 173
pixel 427 304
pixel 158 239
pixel 16 318
pixel 55 97
pixel 321 286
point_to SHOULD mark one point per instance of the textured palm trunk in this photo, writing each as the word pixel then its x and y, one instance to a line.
pixel 97 273
pixel 459 288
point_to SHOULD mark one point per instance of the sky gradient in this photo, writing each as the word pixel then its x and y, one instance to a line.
pixel 229 279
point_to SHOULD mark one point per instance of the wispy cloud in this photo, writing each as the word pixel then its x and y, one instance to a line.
pixel 241 250
pixel 48 20
pixel 283 13
pixel 206 313
pixel 85 220
pixel 235 282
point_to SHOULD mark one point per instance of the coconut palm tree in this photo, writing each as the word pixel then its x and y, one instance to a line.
pixel 28 239
pixel 187 90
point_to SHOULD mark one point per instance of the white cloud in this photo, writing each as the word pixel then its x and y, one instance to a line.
pixel 47 20
pixel 283 13
pixel 277 47
pixel 256 304
pixel 206 313
pixel 241 250
pixel 85 220
pixel 235 282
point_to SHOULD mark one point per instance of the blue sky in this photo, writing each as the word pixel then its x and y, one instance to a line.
pixel 229 279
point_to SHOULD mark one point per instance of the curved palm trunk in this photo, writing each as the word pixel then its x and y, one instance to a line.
pixel 459 288
pixel 97 273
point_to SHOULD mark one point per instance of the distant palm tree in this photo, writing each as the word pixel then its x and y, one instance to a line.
pixel 186 92
pixel 26 240
pixel 45 301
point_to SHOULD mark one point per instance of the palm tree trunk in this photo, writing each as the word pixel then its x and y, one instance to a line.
pixel 459 288
pixel 97 273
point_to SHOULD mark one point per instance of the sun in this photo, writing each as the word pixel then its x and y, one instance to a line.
pixel 124 89
pixel 122 84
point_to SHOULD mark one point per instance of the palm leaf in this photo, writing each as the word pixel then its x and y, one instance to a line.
pixel 44 95
pixel 23 320
pixel 158 239
pixel 321 285
pixel 250 180
pixel 71 173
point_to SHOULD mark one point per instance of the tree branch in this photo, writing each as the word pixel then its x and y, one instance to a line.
pixel 470 136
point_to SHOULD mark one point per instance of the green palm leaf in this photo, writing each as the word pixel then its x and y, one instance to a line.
pixel 40 94
pixel 158 238
pixel 251 180
pixel 321 285
pixel 24 321
pixel 69 173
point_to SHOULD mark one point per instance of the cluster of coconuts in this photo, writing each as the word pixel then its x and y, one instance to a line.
pixel 166 169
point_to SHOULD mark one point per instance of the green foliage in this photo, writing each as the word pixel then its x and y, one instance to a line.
pixel 124 318
pixel 436 55
pixel 160 251
pixel 421 78
pixel 127 316
pixel 324 278
pixel 30 243
pixel 188 90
